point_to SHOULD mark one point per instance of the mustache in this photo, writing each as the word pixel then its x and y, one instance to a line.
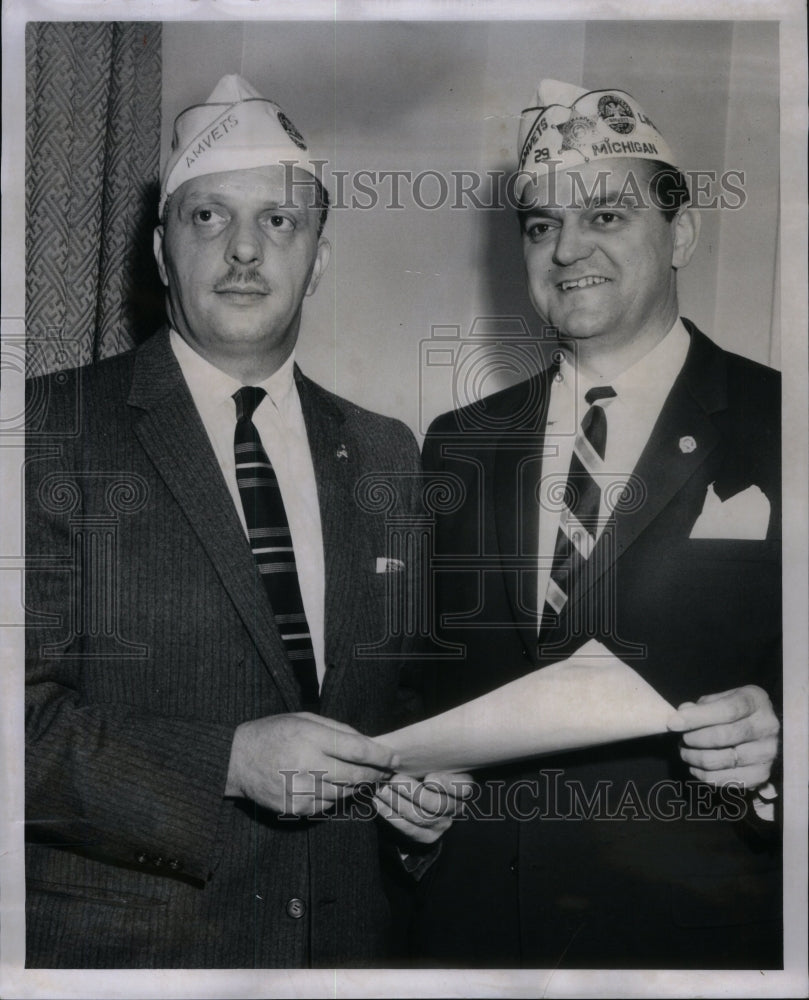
pixel 242 279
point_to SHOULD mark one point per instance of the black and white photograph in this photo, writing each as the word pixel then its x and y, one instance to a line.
pixel 405 456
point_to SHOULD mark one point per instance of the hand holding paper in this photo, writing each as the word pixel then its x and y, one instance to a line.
pixel 729 737
pixel 422 810
pixel 588 699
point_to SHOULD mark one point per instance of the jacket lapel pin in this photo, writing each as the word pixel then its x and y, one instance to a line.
pixel 342 453
pixel 687 444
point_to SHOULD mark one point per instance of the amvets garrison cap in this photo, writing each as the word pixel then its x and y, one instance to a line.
pixel 567 126
pixel 235 129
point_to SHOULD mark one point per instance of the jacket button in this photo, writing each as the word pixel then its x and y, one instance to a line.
pixel 141 858
pixel 296 908
pixel 157 861
pixel 174 864
pixel 513 866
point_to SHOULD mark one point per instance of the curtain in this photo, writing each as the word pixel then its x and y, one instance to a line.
pixel 93 93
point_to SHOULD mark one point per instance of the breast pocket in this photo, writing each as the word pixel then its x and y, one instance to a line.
pixel 731 550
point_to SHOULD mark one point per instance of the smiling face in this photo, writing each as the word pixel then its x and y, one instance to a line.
pixel 238 252
pixel 602 268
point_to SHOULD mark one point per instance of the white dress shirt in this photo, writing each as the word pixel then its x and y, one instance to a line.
pixel 279 421
pixel 641 392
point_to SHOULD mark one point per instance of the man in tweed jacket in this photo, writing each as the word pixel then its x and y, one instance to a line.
pixel 182 810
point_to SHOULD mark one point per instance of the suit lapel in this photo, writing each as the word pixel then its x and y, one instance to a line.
pixel 172 434
pixel 517 472
pixel 335 474
pixel 682 439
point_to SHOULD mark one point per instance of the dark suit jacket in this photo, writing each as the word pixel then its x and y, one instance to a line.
pixel 150 639
pixel 611 871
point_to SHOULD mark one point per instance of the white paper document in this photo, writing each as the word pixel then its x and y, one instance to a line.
pixel 590 698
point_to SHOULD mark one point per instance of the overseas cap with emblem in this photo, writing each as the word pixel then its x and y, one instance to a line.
pixel 568 126
pixel 235 129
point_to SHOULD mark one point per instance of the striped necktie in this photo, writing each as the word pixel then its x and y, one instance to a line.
pixel 579 520
pixel 271 542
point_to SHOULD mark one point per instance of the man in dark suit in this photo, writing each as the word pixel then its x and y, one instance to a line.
pixel 629 494
pixel 205 588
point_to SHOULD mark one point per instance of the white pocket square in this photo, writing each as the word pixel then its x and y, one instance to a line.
pixel 385 565
pixel 745 515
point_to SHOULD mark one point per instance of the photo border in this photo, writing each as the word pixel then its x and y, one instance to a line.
pixel 17 982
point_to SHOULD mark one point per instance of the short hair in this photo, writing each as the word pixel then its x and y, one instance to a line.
pixel 321 203
pixel 668 190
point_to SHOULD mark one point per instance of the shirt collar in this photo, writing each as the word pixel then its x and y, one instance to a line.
pixel 649 379
pixel 211 384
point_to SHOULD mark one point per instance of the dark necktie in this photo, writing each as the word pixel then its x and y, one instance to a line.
pixel 578 523
pixel 271 542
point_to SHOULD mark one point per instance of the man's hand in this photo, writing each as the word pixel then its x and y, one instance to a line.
pixel 730 737
pixel 422 810
pixel 301 764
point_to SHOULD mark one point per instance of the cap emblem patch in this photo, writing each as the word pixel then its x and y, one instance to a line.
pixel 616 113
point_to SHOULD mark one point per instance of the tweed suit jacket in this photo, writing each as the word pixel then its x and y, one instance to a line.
pixel 150 639
pixel 612 856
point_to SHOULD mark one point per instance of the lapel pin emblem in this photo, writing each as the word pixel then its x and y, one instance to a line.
pixel 687 444
pixel 342 453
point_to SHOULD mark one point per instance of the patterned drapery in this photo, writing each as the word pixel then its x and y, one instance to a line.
pixel 93 94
